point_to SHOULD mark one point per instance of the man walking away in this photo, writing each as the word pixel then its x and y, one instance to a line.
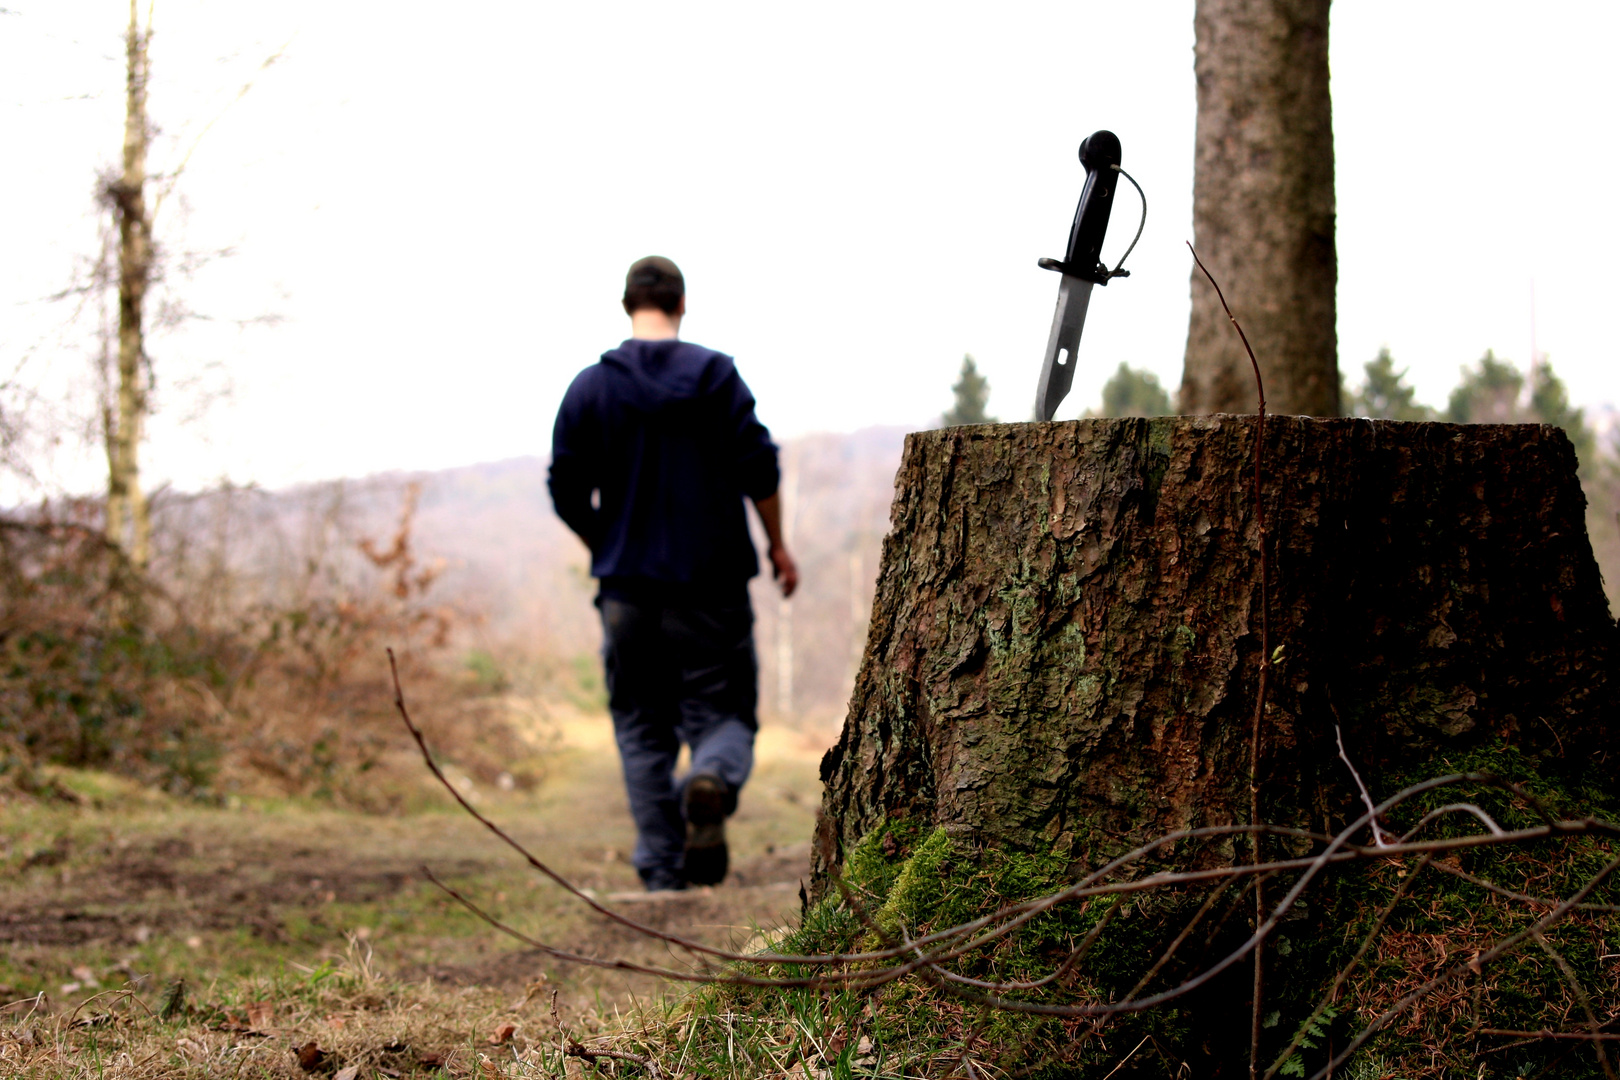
pixel 655 449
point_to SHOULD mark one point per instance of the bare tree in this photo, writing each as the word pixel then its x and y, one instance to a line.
pixel 135 198
pixel 129 524
pixel 1263 208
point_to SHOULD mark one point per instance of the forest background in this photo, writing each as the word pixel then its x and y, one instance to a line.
pixel 468 561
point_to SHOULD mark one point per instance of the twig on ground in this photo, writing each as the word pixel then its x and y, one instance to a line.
pixel 1344 973
pixel 573 1048
pixel 1124 1060
pixel 1524 898
pixel 1585 1036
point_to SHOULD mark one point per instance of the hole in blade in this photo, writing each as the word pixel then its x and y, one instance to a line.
pixel 1063 357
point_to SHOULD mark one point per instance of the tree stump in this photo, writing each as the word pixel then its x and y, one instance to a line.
pixel 1064 662
pixel 1066 636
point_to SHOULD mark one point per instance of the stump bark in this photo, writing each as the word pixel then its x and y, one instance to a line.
pixel 1066 637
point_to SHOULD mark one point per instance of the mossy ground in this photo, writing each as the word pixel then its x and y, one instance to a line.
pixel 1442 919
pixel 910 880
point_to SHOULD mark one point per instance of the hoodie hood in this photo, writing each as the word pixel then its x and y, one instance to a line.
pixel 653 376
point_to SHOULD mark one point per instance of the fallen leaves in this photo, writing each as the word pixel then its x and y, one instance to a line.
pixel 311 1058
pixel 503 1035
pixel 257 1018
pixel 261 1015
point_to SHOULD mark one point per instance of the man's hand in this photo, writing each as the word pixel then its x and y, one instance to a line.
pixel 784 569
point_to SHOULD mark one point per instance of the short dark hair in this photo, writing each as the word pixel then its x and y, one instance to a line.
pixel 653 282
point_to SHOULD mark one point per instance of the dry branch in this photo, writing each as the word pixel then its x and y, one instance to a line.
pixel 929 955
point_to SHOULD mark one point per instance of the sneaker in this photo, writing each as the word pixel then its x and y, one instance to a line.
pixel 704 806
pixel 663 881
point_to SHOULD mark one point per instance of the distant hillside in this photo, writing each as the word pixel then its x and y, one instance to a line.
pixel 505 557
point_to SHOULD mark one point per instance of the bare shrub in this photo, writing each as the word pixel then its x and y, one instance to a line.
pixel 248 658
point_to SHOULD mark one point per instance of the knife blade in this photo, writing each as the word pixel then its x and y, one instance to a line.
pixel 1057 373
pixel 1082 268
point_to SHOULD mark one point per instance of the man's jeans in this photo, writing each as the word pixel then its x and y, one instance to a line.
pixel 677 673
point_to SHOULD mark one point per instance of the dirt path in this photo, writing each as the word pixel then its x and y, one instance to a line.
pixel 151 889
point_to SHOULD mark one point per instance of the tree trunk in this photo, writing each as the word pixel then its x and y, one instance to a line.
pixel 128 523
pixel 1263 208
pixel 1066 637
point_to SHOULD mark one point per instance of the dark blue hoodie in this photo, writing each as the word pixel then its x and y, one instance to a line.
pixel 664 433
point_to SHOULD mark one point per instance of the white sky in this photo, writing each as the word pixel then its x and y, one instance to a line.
pixel 440 202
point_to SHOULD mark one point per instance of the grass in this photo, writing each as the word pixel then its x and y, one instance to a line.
pixel 292 921
pixel 172 938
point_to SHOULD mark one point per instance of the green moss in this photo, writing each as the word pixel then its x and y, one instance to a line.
pixel 873 864
pixel 1183 639
pixel 1156 448
pixel 915 879
pixel 916 892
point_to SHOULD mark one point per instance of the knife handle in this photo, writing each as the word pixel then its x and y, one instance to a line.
pixel 1100 154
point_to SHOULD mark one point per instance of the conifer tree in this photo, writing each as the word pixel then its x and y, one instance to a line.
pixel 1549 403
pixel 1386 395
pixel 1488 394
pixel 1129 392
pixel 1493 391
pixel 972 391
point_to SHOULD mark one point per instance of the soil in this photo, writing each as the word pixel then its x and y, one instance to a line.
pixel 123 896
pixel 165 890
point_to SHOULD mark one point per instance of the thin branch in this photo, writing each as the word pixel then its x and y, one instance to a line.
pixel 1338 850
pixel 174 177
pixel 567 886
pixel 1069 962
pixel 1509 894
pixel 1175 946
pixel 572 1047
pixel 1345 972
pixel 1584 1036
pixel 1455 808
pixel 1265 660
pixel 1475 965
pixel 1377 830
pixel 1581 996
pixel 926 956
